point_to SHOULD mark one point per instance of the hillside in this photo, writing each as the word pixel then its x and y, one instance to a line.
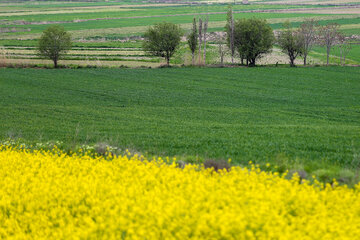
pixel 304 116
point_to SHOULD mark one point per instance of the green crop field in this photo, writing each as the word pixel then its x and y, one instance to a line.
pixel 308 118
pixel 353 57
pixel 121 25
pixel 304 118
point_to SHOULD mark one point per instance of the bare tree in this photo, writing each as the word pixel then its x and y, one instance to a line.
pixel 344 48
pixel 200 38
pixel 307 32
pixel 222 52
pixel 206 21
pixel 329 36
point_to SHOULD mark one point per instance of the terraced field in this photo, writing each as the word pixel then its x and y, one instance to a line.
pixel 117 24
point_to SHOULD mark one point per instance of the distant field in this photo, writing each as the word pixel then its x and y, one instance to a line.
pixel 304 117
pixel 104 24
pixel 352 58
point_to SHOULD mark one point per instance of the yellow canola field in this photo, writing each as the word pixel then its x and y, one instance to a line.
pixel 51 195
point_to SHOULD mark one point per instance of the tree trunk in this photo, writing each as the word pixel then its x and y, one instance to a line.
pixel 55 63
pixel 200 39
pixel 205 30
pixel 292 62
pixel 327 55
pixel 168 60
pixel 292 58
pixel 232 38
pixel 252 62
pixel 193 58
pixel 305 55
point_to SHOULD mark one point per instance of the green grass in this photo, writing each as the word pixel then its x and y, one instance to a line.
pixel 100 44
pixel 146 16
pixel 143 23
pixel 141 12
pixel 351 31
pixel 307 116
pixel 353 56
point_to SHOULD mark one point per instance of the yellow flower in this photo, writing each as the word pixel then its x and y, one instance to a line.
pixel 51 195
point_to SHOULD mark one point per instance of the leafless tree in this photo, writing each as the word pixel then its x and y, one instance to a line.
pixel 307 32
pixel 329 36
pixel 222 51
pixel 344 48
pixel 200 38
pixel 206 21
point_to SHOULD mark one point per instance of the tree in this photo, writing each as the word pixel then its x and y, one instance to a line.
pixel 239 40
pixel 206 21
pixel 200 38
pixel 253 38
pixel 54 43
pixel 193 41
pixel 230 32
pixel 344 48
pixel 291 43
pixel 329 36
pixel 307 32
pixel 222 52
pixel 162 40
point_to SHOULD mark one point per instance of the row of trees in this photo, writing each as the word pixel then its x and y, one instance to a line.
pixel 252 38
pixel 299 42
pixel 249 38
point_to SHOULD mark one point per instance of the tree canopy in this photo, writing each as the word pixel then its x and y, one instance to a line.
pixel 162 40
pixel 54 43
pixel 291 42
pixel 253 38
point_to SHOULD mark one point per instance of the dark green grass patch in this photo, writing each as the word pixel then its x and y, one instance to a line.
pixel 309 116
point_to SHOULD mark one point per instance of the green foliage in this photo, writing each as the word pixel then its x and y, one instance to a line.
pixel 230 31
pixel 291 43
pixel 54 43
pixel 193 40
pixel 162 40
pixel 253 38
